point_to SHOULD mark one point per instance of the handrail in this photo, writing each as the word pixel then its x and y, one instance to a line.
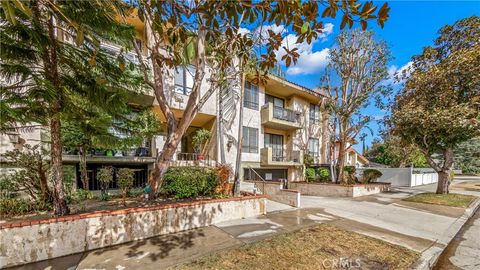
pixel 261 178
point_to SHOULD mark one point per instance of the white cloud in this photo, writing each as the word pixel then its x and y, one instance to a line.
pixel 310 63
pixel 327 30
pixel 243 31
pixel 394 70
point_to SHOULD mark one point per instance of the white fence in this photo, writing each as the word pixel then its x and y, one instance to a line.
pixel 406 177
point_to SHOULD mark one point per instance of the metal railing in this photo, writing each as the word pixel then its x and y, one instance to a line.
pixel 284 157
pixel 285 114
pixel 192 159
pixel 250 169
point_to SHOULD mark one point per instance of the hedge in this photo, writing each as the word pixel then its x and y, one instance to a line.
pixel 189 182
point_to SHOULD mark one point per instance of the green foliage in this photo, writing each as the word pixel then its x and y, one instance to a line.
pixel 371 175
pixel 189 182
pixel 392 152
pixel 80 195
pixel 467 156
pixel 350 170
pixel 200 138
pixel 441 95
pixel 323 175
pixel 125 178
pixel 15 207
pixel 105 177
pixel 7 187
pixel 32 174
pixel 307 159
pixel 310 174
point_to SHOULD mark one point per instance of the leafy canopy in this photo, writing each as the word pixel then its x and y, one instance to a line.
pixel 439 106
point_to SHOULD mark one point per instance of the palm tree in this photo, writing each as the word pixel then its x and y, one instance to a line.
pixel 44 72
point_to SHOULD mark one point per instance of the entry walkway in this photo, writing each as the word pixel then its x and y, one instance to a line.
pixel 424 228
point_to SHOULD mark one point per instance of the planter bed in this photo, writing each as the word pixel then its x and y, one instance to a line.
pixel 337 190
pixel 27 241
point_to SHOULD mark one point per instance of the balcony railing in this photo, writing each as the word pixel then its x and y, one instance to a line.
pixel 279 117
pixel 285 114
pixel 192 159
pixel 284 158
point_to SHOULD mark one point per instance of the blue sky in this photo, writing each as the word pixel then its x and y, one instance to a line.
pixel 411 26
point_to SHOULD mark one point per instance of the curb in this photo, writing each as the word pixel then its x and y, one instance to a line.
pixel 429 257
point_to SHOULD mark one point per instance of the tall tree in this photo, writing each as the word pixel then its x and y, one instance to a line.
pixel 42 70
pixel 359 63
pixel 188 32
pixel 439 105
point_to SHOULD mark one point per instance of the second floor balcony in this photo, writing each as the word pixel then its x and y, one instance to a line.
pixel 271 157
pixel 279 117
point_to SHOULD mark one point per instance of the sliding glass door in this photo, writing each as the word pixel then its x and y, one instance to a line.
pixel 275 142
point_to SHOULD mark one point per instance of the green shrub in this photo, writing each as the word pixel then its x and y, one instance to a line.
pixel 350 170
pixel 323 175
pixel 135 192
pixel 105 177
pixel 371 175
pixel 310 174
pixel 189 182
pixel 81 195
pixel 7 188
pixel 125 181
pixel 17 207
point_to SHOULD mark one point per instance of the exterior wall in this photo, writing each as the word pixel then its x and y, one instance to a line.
pixel 33 136
pixel 398 177
pixel 335 190
pixel 73 234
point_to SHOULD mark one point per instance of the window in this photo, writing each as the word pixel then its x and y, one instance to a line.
pixel 275 142
pixel 251 96
pixel 314 114
pixel 184 79
pixel 277 102
pixel 313 147
pixel 250 140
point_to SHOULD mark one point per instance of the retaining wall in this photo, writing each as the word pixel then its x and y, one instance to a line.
pixel 335 190
pixel 30 241
pixel 275 192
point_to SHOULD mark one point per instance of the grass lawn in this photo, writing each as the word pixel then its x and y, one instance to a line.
pixel 318 247
pixel 452 199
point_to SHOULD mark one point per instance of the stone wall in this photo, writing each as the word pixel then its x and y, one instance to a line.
pixel 334 190
pixel 30 241
pixel 275 192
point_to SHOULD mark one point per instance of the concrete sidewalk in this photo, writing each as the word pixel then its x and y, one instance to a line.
pixel 464 250
pixel 424 228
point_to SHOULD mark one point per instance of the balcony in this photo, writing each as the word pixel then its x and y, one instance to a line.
pixel 280 118
pixel 292 158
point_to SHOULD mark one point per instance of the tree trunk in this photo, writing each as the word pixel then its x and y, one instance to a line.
pixel 236 186
pixel 60 206
pixel 220 127
pixel 443 182
pixel 163 161
pixel 46 193
pixel 444 171
pixel 83 167
pixel 341 162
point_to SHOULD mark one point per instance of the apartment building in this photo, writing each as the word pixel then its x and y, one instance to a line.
pixel 282 122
